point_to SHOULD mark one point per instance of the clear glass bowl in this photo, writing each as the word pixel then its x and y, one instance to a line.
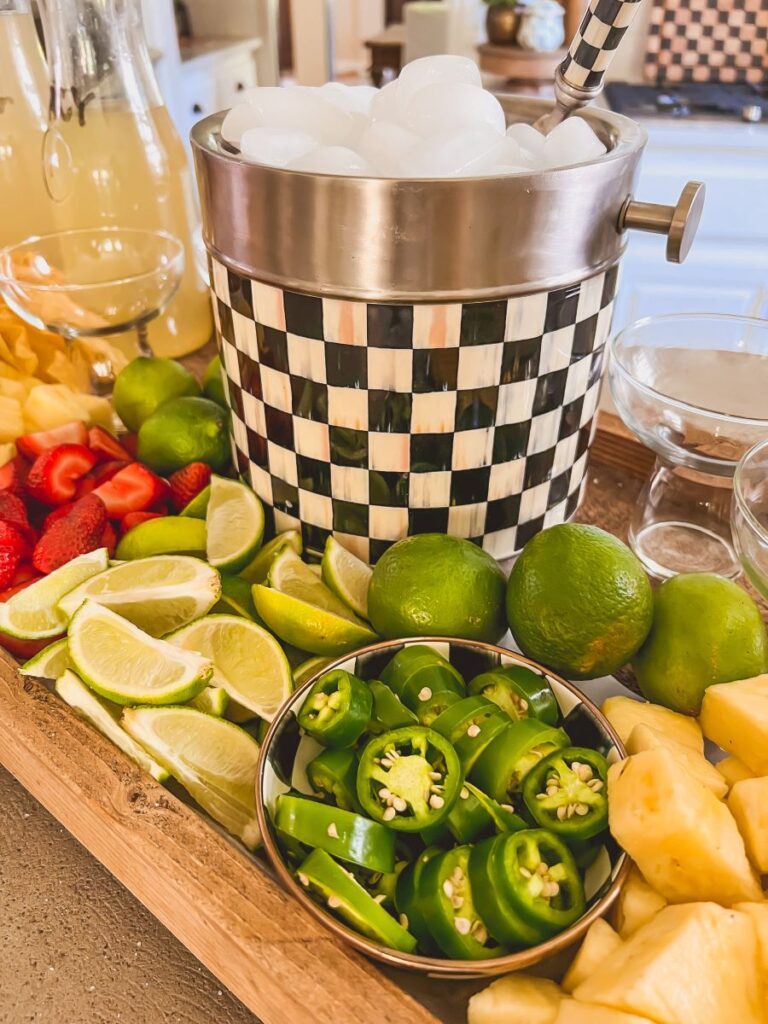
pixel 749 515
pixel 693 389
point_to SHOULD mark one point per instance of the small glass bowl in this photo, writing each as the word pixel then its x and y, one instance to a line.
pixel 749 515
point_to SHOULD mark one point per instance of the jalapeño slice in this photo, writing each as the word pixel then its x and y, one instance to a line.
pixel 337 709
pixel 539 880
pixel 412 659
pixel 519 691
pixel 429 680
pixel 502 766
pixel 503 816
pixel 501 918
pixel 567 793
pixel 409 779
pixel 406 903
pixel 471 725
pixel 344 834
pixel 436 705
pixel 333 773
pixel 389 712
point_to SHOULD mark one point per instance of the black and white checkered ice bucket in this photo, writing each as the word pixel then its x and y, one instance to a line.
pixel 407 357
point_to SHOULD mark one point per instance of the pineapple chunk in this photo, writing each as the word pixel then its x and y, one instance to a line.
pixel 758 912
pixel 515 999
pixel 748 803
pixel 735 717
pixel 11 422
pixel 7 452
pixel 694 964
pixel 624 714
pixel 644 737
pixel 636 905
pixel 599 942
pixel 50 405
pixel 574 1012
pixel 733 770
pixel 682 838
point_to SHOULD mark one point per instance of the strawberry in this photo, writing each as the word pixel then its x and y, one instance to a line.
pixel 187 483
pixel 13 547
pixel 135 518
pixel 103 472
pixel 33 445
pixel 106 447
pixel 54 474
pixel 13 476
pixel 130 443
pixel 58 513
pixel 133 489
pixel 109 538
pixel 14 511
pixel 26 573
pixel 75 533
pixel 22 649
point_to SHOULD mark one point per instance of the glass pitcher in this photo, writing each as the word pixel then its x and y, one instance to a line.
pixel 111 155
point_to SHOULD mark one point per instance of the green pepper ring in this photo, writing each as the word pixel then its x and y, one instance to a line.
pixel 575 804
pixel 337 709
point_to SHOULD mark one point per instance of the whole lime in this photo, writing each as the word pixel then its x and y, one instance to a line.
pixel 185 430
pixel 579 601
pixel 706 630
pixel 213 383
pixel 145 384
pixel 436 585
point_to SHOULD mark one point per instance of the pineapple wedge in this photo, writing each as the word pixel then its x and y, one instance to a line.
pixel 735 717
pixel 748 803
pixel 758 912
pixel 574 1012
pixel 624 714
pixel 682 838
pixel 694 964
pixel 515 999
pixel 599 942
pixel 636 905
pixel 733 770
pixel 644 737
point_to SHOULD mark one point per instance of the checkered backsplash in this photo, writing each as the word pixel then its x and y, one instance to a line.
pixel 373 421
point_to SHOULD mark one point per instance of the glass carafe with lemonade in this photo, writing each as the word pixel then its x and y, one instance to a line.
pixel 111 156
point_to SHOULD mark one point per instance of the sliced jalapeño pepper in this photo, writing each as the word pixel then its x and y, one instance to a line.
pixel 406 903
pixel 413 659
pixel 502 816
pixel 436 705
pixel 519 691
pixel 344 834
pixel 502 766
pixel 468 819
pixel 389 712
pixel 337 709
pixel 429 680
pixel 567 793
pixel 446 901
pixel 333 773
pixel 338 891
pixel 540 880
pixel 409 778
pixel 471 725
pixel 501 919
pixel 382 887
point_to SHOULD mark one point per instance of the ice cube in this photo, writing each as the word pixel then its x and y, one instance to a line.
pixel 331 160
pixel 527 137
pixel 442 69
pixel 384 103
pixel 451 153
pixel 441 107
pixel 385 146
pixel 303 109
pixel 275 147
pixel 571 142
pixel 355 99
pixel 238 119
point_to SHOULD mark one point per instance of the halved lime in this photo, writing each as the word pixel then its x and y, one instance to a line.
pixel 236 598
pixel 235 522
pixel 198 507
pixel 49 663
pixel 213 701
pixel 33 613
pixel 258 570
pixel 163 536
pixel 127 665
pixel 306 626
pixel 157 594
pixel 248 662
pixel 214 760
pixel 106 718
pixel 308 668
pixel 347 576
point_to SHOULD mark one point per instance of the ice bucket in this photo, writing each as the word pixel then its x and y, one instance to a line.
pixel 413 356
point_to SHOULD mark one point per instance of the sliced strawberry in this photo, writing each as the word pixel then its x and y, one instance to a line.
pixel 13 475
pixel 79 531
pixel 103 472
pixel 187 483
pixel 13 547
pixel 106 447
pixel 33 445
pixel 54 474
pixel 134 489
pixel 14 511
pixel 26 573
pixel 163 498
pixel 135 518
pixel 130 443
pixel 109 538
pixel 58 513
pixel 22 649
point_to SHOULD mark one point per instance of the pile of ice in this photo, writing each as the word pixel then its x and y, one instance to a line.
pixel 434 121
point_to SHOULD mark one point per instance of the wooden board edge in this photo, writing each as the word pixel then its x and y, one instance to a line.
pixel 616 446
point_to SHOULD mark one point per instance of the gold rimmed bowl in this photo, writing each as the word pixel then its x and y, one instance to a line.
pixel 286 752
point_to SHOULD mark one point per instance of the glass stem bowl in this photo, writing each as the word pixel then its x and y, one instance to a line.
pixel 749 515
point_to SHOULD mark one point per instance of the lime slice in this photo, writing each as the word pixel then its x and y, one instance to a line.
pixel 49 663
pixel 213 701
pixel 198 507
pixel 306 626
pixel 247 661
pixel 106 718
pixel 347 576
pixel 258 570
pixel 240 715
pixel 295 578
pixel 163 536
pixel 33 613
pixel 214 760
pixel 308 668
pixel 126 665
pixel 236 598
pixel 156 594
pixel 235 523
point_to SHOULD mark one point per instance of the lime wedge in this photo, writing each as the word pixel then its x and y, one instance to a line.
pixel 156 594
pixel 235 523
pixel 49 663
pixel 236 598
pixel 106 718
pixel 258 570
pixel 126 665
pixel 308 668
pixel 213 701
pixel 214 760
pixel 347 576
pixel 163 536
pixel 306 626
pixel 295 578
pixel 33 613
pixel 199 504
pixel 247 661
pixel 240 715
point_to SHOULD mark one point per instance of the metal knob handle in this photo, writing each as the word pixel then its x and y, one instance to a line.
pixel 679 223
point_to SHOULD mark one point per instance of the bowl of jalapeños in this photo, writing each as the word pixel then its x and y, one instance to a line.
pixel 442 806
